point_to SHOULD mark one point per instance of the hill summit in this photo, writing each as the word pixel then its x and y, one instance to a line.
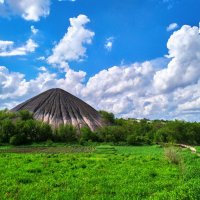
pixel 56 107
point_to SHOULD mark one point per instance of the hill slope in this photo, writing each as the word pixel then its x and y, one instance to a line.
pixel 56 107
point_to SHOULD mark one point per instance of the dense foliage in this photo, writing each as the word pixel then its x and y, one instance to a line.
pixel 21 128
pixel 107 117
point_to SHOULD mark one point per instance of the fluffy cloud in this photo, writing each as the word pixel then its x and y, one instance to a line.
pixel 124 90
pixel 109 43
pixel 172 27
pixel 184 68
pixel 15 88
pixel 193 105
pixel 136 90
pixel 7 48
pixel 71 46
pixel 5 44
pixel 34 30
pixel 27 9
pixel 12 84
pixel 119 89
pixel 41 58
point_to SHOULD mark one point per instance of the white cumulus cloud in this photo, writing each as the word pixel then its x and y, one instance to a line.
pixel 184 68
pixel 109 43
pixel 28 9
pixel 5 45
pixel 172 27
pixel 34 30
pixel 7 48
pixel 72 46
pixel 12 84
pixel 165 88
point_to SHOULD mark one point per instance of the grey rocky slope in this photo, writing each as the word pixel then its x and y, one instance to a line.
pixel 56 107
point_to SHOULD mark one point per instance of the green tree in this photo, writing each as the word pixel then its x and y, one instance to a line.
pixel 107 117
pixel 112 134
pixel 7 130
pixel 66 133
pixel 45 132
pixel 18 139
pixel 135 140
pixel 165 135
pixel 25 115
pixel 87 135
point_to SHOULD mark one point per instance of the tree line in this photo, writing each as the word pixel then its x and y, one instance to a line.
pixel 20 128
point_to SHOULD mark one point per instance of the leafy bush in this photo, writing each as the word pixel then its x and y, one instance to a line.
pixel 107 117
pixel 7 130
pixel 133 140
pixel 23 129
pixel 45 132
pixel 87 135
pixel 18 139
pixel 111 134
pixel 25 115
pixel 5 114
pixel 66 133
pixel 34 131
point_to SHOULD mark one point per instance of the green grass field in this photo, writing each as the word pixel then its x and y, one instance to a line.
pixel 103 172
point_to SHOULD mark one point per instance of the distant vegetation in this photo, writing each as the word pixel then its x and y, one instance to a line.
pixel 20 128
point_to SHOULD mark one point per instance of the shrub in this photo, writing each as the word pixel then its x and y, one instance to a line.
pixel 172 155
pixel 45 132
pixel 112 134
pixel 25 115
pixel 18 139
pixel 49 142
pixel 135 140
pixel 34 131
pixel 66 133
pixel 164 134
pixel 7 130
pixel 131 139
pixel 5 114
pixel 23 129
pixel 31 129
pixel 81 141
pixel 87 135
pixel 107 117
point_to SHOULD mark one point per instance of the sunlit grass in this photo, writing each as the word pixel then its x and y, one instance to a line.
pixel 110 172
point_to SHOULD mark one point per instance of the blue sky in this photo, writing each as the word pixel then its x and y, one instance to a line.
pixel 107 39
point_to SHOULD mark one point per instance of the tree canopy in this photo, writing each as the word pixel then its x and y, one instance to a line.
pixel 20 128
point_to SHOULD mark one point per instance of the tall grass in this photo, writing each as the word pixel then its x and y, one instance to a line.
pixel 172 154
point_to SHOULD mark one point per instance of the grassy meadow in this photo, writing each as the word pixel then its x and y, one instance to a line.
pixel 101 172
